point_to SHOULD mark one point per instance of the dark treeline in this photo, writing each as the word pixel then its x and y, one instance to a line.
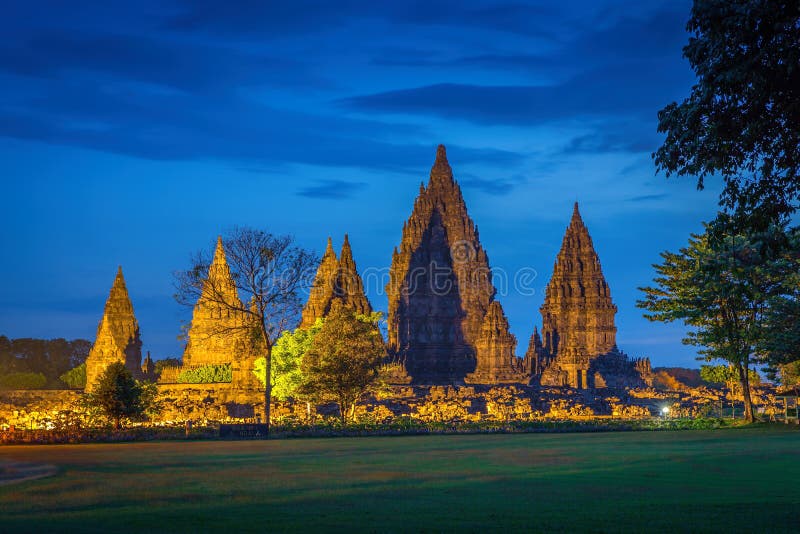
pixel 47 357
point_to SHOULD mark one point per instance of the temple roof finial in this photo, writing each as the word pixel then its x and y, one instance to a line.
pixel 441 170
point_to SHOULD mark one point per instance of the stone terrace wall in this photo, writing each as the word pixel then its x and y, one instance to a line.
pixel 31 408
pixel 223 403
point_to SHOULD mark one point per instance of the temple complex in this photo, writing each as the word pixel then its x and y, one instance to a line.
pixel 440 287
pixel 117 338
pixel 444 325
pixel 336 279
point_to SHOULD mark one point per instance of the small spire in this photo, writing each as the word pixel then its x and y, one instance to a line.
pixel 347 253
pixel 576 215
pixel 441 154
pixel 441 170
pixel 329 247
pixel 119 279
pixel 219 254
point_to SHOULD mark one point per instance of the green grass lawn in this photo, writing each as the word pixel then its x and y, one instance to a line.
pixel 724 480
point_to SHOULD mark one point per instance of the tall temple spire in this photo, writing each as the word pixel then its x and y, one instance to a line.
pixel 217 332
pixel 440 284
pixel 321 292
pixel 348 286
pixel 118 338
pixel 577 314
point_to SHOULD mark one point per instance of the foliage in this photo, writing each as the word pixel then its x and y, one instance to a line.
pixel 75 378
pixel 740 120
pixel 287 355
pixel 269 272
pixel 725 374
pixel 207 374
pixel 787 374
pixel 724 286
pixel 48 357
pixel 23 381
pixel 343 360
pixel 117 395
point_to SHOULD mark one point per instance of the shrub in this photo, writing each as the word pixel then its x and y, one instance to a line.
pixel 23 381
pixel 75 378
pixel 207 374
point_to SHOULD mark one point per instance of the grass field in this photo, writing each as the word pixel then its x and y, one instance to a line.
pixel 726 480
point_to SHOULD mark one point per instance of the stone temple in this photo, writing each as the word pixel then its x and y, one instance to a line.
pixel 445 327
pixel 577 346
pixel 440 291
pixel 118 338
pixel 219 334
pixel 336 279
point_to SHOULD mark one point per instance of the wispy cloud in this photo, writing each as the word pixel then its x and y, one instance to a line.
pixel 332 189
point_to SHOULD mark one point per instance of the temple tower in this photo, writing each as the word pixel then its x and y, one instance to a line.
pixel 440 284
pixel 335 280
pixel 496 360
pixel 217 334
pixel 577 314
pixel 319 298
pixel 118 338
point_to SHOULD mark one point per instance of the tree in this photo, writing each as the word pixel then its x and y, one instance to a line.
pixel 49 357
pixel 726 375
pixel 269 272
pixel 740 120
pixel 75 378
pixel 287 355
pixel 23 381
pixel 788 374
pixel 119 396
pixel 343 360
pixel 725 288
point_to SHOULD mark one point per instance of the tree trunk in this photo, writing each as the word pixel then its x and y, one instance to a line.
pixel 268 386
pixel 744 379
pixel 343 408
pixel 117 423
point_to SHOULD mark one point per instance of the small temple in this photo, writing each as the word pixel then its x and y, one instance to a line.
pixel 118 338
pixel 336 279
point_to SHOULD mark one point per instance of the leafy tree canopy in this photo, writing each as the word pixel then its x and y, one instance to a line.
pixel 286 357
pixel 741 118
pixel 118 395
pixel 724 374
pixel 727 287
pixel 49 357
pixel 75 378
pixel 343 360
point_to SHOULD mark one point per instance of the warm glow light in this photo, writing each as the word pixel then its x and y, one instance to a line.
pixel 665 410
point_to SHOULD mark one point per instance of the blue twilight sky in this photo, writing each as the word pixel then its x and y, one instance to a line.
pixel 133 133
